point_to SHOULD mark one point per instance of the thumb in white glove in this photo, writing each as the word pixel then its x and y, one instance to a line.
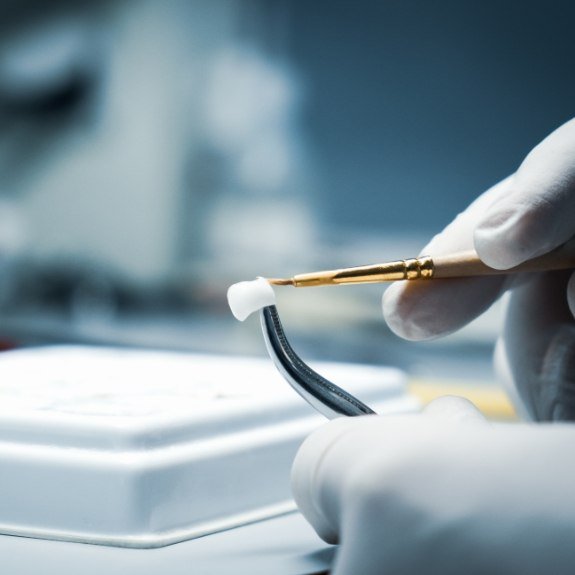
pixel 442 492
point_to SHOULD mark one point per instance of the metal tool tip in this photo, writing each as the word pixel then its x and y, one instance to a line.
pixel 281 281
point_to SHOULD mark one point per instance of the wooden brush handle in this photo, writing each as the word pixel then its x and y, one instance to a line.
pixel 468 264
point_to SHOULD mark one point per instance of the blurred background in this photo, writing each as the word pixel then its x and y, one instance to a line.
pixel 153 152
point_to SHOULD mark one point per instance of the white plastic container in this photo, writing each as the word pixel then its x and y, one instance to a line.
pixel 143 449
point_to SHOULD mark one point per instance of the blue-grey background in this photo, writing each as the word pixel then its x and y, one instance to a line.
pixel 153 152
pixel 416 107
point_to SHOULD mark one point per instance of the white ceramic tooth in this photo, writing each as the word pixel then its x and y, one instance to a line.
pixel 244 298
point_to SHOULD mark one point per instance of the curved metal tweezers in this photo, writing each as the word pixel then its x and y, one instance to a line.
pixel 326 397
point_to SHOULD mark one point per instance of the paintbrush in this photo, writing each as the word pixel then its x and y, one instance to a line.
pixel 456 265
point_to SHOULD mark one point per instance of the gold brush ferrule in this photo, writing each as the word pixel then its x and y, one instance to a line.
pixel 411 269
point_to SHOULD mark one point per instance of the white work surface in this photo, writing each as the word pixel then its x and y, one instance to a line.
pixel 279 546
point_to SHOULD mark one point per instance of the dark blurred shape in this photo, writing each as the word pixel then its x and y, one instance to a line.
pixel 59 100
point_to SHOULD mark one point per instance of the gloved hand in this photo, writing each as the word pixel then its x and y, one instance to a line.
pixel 440 493
pixel 422 494
pixel 526 215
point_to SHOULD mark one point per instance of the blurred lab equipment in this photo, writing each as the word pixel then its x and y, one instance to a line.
pixel 171 148
pixel 148 137
pixel 150 152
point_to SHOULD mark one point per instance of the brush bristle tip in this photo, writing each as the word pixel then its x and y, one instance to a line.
pixel 280 281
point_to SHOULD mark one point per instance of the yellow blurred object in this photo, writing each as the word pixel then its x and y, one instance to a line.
pixel 489 399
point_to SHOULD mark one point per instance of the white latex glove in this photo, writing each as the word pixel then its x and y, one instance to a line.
pixel 440 493
pixel 524 216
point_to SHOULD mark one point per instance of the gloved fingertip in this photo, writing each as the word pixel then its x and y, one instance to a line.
pixel 514 231
pixel 454 408
pixel 304 484
pixel 498 243
pixel 400 313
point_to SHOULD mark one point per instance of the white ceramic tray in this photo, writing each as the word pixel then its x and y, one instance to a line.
pixel 144 449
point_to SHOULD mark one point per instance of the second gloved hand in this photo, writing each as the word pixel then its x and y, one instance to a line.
pixel 440 493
